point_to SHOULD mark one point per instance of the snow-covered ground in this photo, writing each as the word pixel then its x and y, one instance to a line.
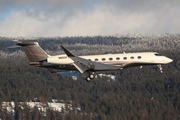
pixel 10 106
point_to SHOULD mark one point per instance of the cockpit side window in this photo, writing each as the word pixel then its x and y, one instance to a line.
pixel 157 54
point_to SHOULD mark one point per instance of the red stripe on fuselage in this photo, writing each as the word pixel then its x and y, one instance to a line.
pixel 35 63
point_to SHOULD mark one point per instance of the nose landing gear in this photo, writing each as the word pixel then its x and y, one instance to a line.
pixel 160 68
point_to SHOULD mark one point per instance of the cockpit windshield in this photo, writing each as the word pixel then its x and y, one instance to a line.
pixel 157 54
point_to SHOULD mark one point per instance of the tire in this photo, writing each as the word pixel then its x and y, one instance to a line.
pixel 88 79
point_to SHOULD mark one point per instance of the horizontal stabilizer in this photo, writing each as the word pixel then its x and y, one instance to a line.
pixel 14 46
pixel 26 42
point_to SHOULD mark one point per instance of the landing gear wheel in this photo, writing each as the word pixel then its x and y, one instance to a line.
pixel 91 76
pixel 88 79
pixel 160 68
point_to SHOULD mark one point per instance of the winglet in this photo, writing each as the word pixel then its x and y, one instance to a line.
pixel 68 53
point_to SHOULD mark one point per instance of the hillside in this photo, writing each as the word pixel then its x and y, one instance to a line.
pixel 135 94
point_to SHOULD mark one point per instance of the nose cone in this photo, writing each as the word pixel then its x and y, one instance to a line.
pixel 168 60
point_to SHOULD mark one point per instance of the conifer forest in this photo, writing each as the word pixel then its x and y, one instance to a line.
pixel 135 93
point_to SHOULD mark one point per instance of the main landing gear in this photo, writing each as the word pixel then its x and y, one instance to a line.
pixel 160 68
pixel 90 77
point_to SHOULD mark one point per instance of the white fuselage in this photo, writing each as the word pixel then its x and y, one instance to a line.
pixel 141 58
pixel 88 64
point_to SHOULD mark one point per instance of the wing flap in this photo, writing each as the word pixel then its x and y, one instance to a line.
pixel 80 67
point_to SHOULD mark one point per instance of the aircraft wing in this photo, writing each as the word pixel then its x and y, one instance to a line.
pixel 83 65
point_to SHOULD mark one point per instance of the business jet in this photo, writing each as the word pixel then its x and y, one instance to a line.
pixel 89 64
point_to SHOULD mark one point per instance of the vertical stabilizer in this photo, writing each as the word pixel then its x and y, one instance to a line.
pixel 33 51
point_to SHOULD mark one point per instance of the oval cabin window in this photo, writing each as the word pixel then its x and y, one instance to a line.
pixel 125 58
pixel 96 59
pixel 110 58
pixel 117 58
pixel 103 59
pixel 139 57
pixel 132 57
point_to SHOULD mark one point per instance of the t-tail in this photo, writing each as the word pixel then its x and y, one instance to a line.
pixel 35 54
pixel 33 51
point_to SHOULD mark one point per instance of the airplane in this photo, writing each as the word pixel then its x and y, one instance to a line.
pixel 88 64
